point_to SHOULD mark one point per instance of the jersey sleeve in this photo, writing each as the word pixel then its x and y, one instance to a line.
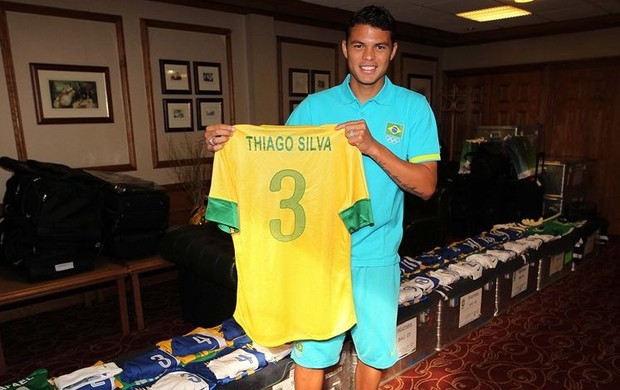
pixel 222 200
pixel 425 145
pixel 359 214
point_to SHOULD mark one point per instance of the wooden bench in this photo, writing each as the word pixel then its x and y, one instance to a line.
pixel 137 268
pixel 16 290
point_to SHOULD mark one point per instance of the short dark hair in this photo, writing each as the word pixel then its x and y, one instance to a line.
pixel 376 16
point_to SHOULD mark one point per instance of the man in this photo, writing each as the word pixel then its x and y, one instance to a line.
pixel 395 130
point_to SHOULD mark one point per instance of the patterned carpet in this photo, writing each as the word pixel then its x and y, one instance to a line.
pixel 72 338
pixel 566 336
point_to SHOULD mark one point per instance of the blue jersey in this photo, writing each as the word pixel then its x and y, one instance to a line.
pixel 403 122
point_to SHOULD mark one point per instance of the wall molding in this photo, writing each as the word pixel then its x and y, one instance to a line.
pixel 9 68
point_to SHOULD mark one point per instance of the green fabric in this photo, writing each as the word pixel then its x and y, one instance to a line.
pixel 37 380
pixel 224 213
pixel 357 216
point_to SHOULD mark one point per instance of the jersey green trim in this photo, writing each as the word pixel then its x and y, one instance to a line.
pixel 425 158
pixel 358 215
pixel 224 213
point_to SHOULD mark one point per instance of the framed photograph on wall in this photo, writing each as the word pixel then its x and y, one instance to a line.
pixel 298 82
pixel 321 80
pixel 175 76
pixel 210 111
pixel 71 93
pixel 292 104
pixel 178 115
pixel 422 84
pixel 207 78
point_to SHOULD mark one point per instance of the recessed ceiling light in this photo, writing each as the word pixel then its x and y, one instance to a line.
pixel 523 1
pixel 494 13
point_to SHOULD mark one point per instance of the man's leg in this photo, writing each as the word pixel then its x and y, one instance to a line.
pixel 375 292
pixel 308 378
pixel 366 377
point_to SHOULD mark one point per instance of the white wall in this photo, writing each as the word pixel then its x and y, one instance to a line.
pixel 56 39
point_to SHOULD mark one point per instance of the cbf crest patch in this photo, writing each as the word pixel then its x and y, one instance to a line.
pixel 394 132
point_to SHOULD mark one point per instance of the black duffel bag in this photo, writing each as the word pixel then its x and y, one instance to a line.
pixel 37 259
pixel 53 202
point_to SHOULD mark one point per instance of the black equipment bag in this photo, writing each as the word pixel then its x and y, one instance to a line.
pixel 52 222
pixel 135 215
pixel 53 201
pixel 37 259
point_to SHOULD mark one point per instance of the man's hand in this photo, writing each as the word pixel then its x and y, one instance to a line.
pixel 217 135
pixel 358 135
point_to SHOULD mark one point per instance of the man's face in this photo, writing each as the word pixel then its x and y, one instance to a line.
pixel 368 52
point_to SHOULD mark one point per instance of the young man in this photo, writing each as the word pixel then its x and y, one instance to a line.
pixel 395 130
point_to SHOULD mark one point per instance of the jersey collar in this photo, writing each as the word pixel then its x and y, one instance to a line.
pixel 382 98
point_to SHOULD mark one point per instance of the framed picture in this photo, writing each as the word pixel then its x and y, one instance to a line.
pixel 292 104
pixel 175 76
pixel 298 82
pixel 71 93
pixel 422 84
pixel 178 115
pixel 207 78
pixel 320 80
pixel 210 111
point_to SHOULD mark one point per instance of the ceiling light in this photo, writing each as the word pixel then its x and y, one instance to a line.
pixel 494 13
pixel 523 1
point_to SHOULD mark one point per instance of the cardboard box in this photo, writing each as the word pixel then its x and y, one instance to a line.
pixel 461 314
pixel 514 286
pixel 553 267
pixel 586 248
pixel 337 377
pixel 416 340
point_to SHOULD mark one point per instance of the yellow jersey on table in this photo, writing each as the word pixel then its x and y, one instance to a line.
pixel 290 196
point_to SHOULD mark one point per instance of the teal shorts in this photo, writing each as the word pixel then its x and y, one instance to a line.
pixel 375 294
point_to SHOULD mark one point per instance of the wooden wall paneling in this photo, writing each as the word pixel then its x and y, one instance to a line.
pixel 462 103
pixel 608 174
pixel 180 205
pixel 585 104
pixel 576 102
pixel 516 98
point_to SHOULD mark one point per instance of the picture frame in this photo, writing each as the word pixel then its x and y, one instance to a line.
pixel 321 80
pixel 178 115
pixel 292 104
pixel 207 78
pixel 298 82
pixel 210 112
pixel 422 84
pixel 71 93
pixel 175 77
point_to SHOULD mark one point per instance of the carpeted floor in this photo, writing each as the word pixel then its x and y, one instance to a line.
pixel 76 337
pixel 566 336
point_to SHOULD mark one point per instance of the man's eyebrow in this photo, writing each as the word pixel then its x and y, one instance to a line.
pixel 386 43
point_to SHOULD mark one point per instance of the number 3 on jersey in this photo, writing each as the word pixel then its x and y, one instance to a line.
pixel 292 203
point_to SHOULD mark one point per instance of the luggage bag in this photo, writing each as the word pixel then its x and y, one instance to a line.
pixel 135 215
pixel 52 224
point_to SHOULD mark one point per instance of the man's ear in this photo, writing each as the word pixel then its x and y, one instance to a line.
pixel 343 45
pixel 394 50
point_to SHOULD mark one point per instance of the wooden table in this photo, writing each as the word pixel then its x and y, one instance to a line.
pixel 137 267
pixel 15 289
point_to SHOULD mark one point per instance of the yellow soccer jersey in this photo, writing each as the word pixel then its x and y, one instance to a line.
pixel 291 196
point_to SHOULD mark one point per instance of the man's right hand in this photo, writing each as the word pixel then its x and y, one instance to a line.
pixel 216 136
